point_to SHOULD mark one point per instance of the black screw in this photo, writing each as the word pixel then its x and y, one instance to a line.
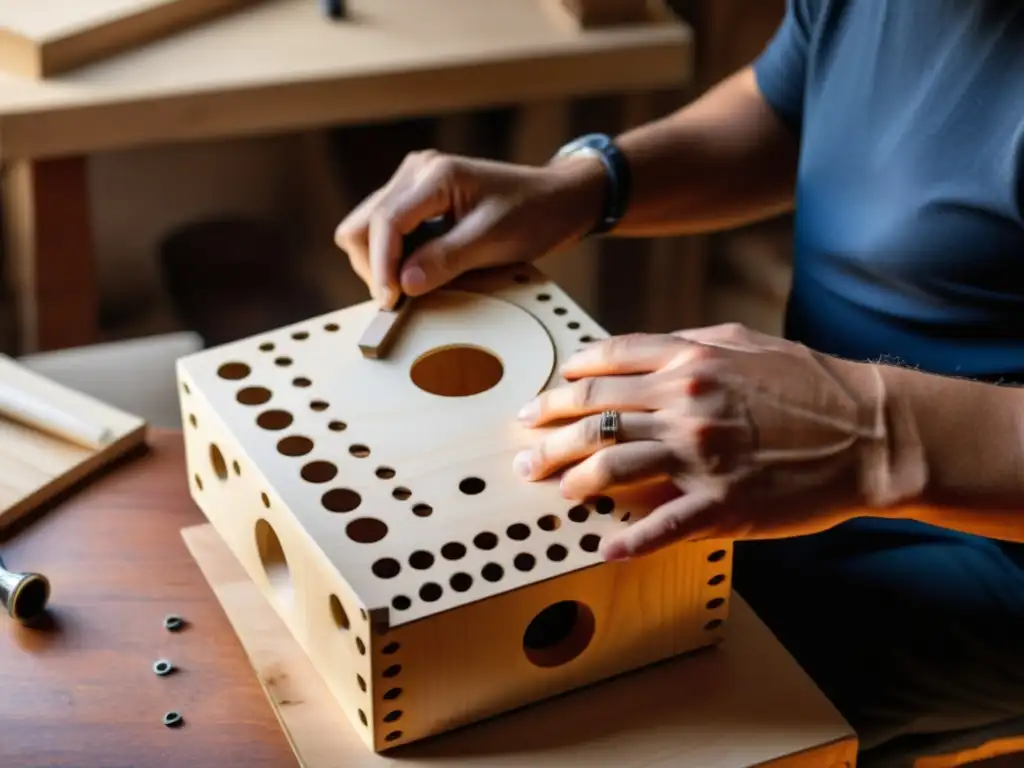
pixel 173 719
pixel 173 623
pixel 163 667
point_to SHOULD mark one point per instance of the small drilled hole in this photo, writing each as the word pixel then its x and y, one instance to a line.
pixel 233 371
pixel 236 468
pixel 393 736
pixel 393 671
pixel 524 561
pixel 717 579
pixel 253 395
pixel 385 473
pixel 359 451
pixel 265 499
pixel 337 426
pixel 192 420
pixel 220 467
pixel 401 493
pixel 266 346
pixel 713 624
pixel 338 613
pixel 586 339
pixel 485 540
pixel 184 387
pixel 393 716
pixel 590 542
pixel 319 472
pixel 331 327
pixel 199 482
pixel 319 405
pixel 543 297
pixel 560 310
pixel 400 602
pixel 518 532
pixel 422 510
pixel 301 381
pixel 341 500
pixel 300 335
pixel 715 602
pixel 430 592
pixel 492 572
pixel 421 560
pixel 274 420
pixel 557 553
pixel 549 523
pixel 367 530
pixel 472 486
pixel 283 362
pixel 386 568
pixel 392 693
pixel 360 646
pixel 604 505
pixel 362 717
pixel 717 555
pixel 461 582
pixel 361 683
pixel 390 648
pixel 573 325
pixel 453 551
pixel 296 445
pixel 579 514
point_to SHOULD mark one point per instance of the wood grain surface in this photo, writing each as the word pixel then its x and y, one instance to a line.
pixel 81 691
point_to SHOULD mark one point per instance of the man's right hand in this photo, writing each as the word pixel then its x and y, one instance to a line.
pixel 503 214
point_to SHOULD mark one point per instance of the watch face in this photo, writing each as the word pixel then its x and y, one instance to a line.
pixel 591 143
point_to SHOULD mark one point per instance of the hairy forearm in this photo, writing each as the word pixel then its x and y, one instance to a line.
pixel 722 161
pixel 973 438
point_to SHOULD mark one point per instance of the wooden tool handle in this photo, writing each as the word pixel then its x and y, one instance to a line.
pixel 19 405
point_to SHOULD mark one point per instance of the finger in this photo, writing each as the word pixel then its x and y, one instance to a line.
pixel 677 520
pixel 586 396
pixel 352 236
pixel 632 353
pixel 579 440
pixel 620 464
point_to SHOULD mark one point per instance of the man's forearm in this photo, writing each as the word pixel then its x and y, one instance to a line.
pixel 722 161
pixel 973 436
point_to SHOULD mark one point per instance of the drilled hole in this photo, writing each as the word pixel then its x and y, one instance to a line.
pixel 430 592
pixel 283 362
pixel 421 560
pixel 295 445
pixel 301 381
pixel 265 499
pixel 366 530
pixel 401 493
pixel 422 510
pixel 393 716
pixel 715 602
pixel 385 473
pixel 253 395
pixel 360 646
pixel 192 420
pixel 274 420
pixel 392 693
pixel 717 579
pixel 518 532
pixel 362 717
pixel 717 555
pixel 604 505
pixel 485 540
pixel 341 500
pixel 543 297
pixel 586 339
pixel 319 405
pixel 393 736
pixel 272 557
pixel 233 371
pixel 457 371
pixel 236 468
pixel 549 523
pixel 453 551
pixel 460 582
pixel 199 482
pixel 524 562
pixel 560 310
pixel 331 327
pixel 361 683
pixel 338 613
pixel 386 568
pixel 185 388
pixel 337 426
pixel 590 542
pixel 713 624
pixel 359 451
pixel 390 649
pixel 217 463
pixel 471 486
pixel 492 572
pixel 559 634
pixel 573 325
pixel 319 472
pixel 557 553
pixel 579 514
pixel 400 602
pixel 266 346
pixel 300 335
pixel 393 671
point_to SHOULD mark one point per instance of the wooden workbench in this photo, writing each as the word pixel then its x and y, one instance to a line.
pixel 279 66
pixel 81 692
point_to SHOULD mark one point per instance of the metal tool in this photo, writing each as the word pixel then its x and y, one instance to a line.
pixel 24 595
pixel 379 335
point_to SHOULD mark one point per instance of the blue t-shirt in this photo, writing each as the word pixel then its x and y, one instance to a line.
pixel 909 218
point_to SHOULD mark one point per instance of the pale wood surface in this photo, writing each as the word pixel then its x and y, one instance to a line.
pixel 281 66
pixel 343 484
pixel 743 703
pixel 38 461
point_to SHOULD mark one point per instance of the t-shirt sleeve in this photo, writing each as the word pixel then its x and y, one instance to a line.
pixel 781 69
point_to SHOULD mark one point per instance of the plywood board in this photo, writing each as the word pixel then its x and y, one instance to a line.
pixel 44 38
pixel 52 437
pixel 744 703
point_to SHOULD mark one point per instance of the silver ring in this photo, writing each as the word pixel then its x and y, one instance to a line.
pixel 609 428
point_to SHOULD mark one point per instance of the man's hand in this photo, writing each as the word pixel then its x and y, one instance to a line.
pixel 762 437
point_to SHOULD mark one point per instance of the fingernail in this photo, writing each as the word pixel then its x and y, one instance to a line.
pixel 615 551
pixel 414 279
pixel 528 411
pixel 521 464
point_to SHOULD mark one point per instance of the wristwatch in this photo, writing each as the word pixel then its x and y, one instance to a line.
pixel 617 173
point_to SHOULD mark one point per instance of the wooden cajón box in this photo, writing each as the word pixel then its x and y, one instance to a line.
pixel 374 503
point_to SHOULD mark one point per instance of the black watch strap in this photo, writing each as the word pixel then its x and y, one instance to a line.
pixel 617 172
